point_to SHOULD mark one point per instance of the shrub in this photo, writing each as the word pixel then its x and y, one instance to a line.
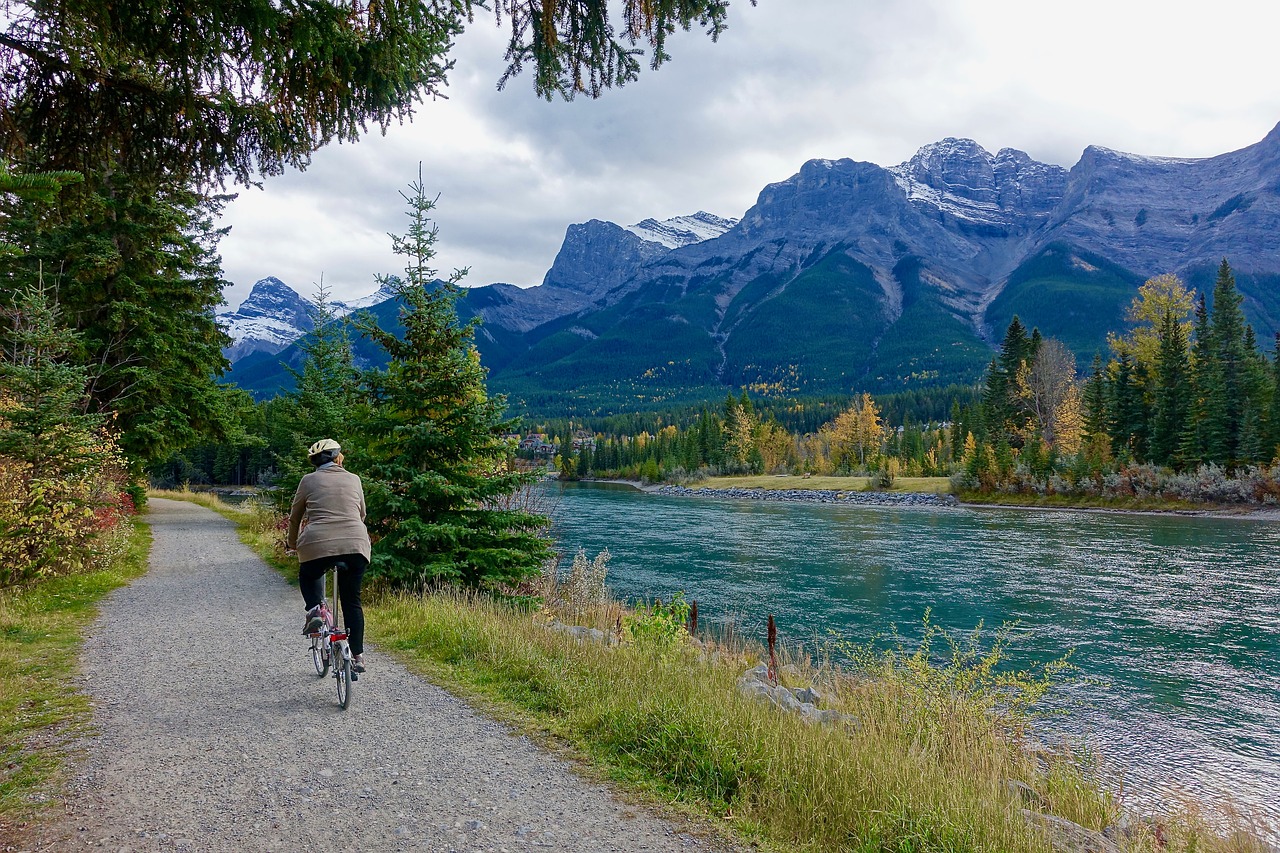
pixel 949 677
pixel 585 585
pixel 662 628
pixel 59 525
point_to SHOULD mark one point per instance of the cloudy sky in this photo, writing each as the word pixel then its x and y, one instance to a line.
pixel 791 80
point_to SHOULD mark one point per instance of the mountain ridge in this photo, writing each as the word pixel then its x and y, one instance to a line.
pixel 852 276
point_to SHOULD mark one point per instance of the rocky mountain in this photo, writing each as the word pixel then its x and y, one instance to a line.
pixel 273 316
pixel 853 276
pixel 849 275
pixel 682 230
pixel 386 291
pixel 595 261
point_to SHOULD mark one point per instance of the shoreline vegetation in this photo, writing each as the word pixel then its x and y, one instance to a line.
pixel 931 491
pixel 942 755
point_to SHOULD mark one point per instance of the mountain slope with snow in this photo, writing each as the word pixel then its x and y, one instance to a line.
pixel 682 230
pixel 273 316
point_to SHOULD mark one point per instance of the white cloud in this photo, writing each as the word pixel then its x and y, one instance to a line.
pixel 789 81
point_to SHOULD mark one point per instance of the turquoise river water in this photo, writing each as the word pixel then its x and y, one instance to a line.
pixel 1174 620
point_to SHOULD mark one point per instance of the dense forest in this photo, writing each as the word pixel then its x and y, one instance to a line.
pixel 1184 391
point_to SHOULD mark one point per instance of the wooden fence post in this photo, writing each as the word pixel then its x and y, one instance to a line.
pixel 773 651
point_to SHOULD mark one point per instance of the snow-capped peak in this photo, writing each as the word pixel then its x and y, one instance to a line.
pixel 682 230
pixel 275 315
pixel 961 179
pixel 382 294
pixel 1142 158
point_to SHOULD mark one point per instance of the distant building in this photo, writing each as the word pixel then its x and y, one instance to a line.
pixel 536 444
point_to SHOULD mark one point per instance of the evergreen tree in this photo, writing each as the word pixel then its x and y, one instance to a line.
pixel 1126 425
pixel 1257 384
pixel 42 419
pixel 1172 392
pixel 57 464
pixel 138 277
pixel 443 502
pixel 1226 373
pixel 1096 414
pixel 206 89
pixel 1271 440
pixel 42 189
pixel 1004 412
pixel 1250 434
pixel 323 401
pixel 1192 448
pixel 958 430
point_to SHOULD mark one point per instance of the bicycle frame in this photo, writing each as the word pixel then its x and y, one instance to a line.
pixel 329 649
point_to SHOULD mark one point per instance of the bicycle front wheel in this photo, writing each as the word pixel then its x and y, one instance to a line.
pixel 320 656
pixel 342 673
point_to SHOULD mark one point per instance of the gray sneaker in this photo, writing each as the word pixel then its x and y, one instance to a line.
pixel 314 622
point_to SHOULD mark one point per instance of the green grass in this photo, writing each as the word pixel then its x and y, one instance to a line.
pixel 674 726
pixel 41 712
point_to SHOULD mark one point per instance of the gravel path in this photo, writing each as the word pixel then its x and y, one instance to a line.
pixel 214 733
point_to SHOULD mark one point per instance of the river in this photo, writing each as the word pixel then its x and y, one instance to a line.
pixel 1173 621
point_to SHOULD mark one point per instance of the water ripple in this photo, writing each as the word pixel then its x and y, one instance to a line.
pixel 1173 620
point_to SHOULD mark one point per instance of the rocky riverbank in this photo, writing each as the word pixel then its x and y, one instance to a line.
pixel 823 496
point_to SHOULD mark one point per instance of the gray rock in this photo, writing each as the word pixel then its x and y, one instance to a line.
pixel 808 695
pixel 785 700
pixel 816 496
pixel 1125 827
pixel 1069 837
pixel 753 689
pixel 1025 793
pixel 579 632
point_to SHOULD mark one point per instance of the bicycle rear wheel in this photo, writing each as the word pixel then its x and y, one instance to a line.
pixel 319 656
pixel 342 673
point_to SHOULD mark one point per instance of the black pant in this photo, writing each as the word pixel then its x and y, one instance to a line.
pixel 350 574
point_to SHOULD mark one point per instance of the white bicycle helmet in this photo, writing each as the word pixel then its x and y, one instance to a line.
pixel 322 445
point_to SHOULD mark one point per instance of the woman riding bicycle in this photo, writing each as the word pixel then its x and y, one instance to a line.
pixel 331 499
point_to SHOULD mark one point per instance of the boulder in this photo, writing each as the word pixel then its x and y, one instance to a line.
pixel 1069 837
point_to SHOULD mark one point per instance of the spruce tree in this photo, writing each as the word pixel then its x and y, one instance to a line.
pixel 1192 446
pixel 1005 414
pixel 202 89
pixel 1226 374
pixel 42 419
pixel 1271 439
pixel 56 462
pixel 1125 407
pixel 138 278
pixel 444 504
pixel 1096 417
pixel 1172 392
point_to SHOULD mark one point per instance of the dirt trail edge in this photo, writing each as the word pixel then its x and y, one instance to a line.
pixel 215 734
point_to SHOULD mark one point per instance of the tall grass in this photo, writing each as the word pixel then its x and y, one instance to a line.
pixel 677 725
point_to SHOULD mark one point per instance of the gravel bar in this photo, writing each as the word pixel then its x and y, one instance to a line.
pixel 822 496
pixel 213 733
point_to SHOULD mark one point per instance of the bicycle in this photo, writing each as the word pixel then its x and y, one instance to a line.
pixel 329 647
